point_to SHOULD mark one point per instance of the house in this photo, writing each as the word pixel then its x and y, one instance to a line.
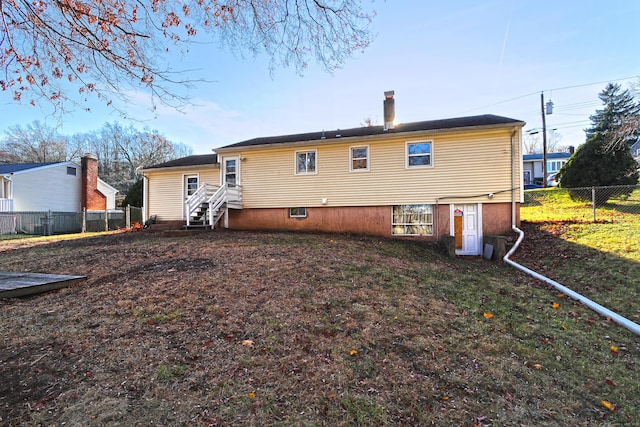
pixel 167 185
pixel 635 151
pixel 460 177
pixel 54 186
pixel 532 165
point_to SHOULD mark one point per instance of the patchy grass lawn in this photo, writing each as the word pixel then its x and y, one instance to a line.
pixel 597 259
pixel 230 328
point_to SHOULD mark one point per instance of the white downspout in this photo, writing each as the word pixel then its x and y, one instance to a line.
pixel 623 321
pixel 145 198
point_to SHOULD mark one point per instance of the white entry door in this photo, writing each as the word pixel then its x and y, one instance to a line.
pixel 231 171
pixel 190 186
pixel 466 227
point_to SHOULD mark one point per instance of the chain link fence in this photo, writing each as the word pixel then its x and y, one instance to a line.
pixel 584 204
pixel 46 223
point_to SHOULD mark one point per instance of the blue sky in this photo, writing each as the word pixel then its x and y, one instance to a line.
pixel 442 59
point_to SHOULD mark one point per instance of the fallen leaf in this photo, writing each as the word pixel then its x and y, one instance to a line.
pixel 610 406
pixel 247 343
pixel 614 349
pixel 488 315
pixel 555 305
pixel 353 352
pixel 251 395
pixel 611 383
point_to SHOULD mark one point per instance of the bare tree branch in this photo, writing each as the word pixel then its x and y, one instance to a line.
pixel 104 47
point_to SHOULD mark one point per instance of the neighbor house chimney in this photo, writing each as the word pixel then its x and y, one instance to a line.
pixel 389 110
pixel 92 199
pixel 571 149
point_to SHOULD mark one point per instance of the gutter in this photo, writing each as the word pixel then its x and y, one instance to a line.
pixel 622 321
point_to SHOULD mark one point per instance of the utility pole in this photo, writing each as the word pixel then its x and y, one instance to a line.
pixel 544 141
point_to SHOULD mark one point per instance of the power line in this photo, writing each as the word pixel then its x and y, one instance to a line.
pixel 551 90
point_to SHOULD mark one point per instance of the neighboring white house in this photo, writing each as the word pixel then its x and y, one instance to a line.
pixel 58 186
pixel 635 151
pixel 532 165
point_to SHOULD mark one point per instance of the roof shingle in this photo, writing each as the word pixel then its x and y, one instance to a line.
pixel 461 122
pixel 195 160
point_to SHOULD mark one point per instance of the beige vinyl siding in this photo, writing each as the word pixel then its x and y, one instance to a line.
pixel 166 190
pixel 464 164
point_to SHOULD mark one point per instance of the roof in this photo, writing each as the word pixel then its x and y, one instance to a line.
pixel 195 160
pixel 430 125
pixel 538 156
pixel 17 167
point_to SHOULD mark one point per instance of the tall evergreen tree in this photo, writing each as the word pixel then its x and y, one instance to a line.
pixel 605 160
pixel 620 109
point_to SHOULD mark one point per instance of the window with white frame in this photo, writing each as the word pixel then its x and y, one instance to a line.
pixel 555 165
pixel 412 220
pixel 419 154
pixel 306 162
pixel 297 212
pixel 359 158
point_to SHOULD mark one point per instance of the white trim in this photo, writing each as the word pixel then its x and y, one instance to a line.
pixel 478 249
pixel 406 154
pixel 223 168
pixel 184 191
pixel 295 162
pixel 298 216
pixel 417 225
pixel 351 158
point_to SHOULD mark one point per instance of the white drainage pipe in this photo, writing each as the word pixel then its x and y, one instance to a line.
pixel 633 327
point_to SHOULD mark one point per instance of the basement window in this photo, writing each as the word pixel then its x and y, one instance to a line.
pixel 297 212
pixel 71 170
pixel 412 220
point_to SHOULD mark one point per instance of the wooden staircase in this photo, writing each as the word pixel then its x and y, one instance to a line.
pixel 208 205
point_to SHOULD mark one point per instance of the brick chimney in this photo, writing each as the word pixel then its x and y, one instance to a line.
pixel 92 199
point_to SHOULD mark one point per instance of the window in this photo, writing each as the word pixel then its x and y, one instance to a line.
pixel 554 166
pixel 71 170
pixel 191 185
pixel 306 162
pixel 419 154
pixel 359 159
pixel 412 220
pixel 297 212
pixel 230 172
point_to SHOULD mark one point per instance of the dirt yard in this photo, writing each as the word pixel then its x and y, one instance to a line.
pixel 230 328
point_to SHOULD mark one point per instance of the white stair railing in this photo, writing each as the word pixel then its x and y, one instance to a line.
pixel 216 201
pixel 193 202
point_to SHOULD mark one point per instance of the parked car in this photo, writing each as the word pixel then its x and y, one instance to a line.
pixel 532 186
pixel 552 181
